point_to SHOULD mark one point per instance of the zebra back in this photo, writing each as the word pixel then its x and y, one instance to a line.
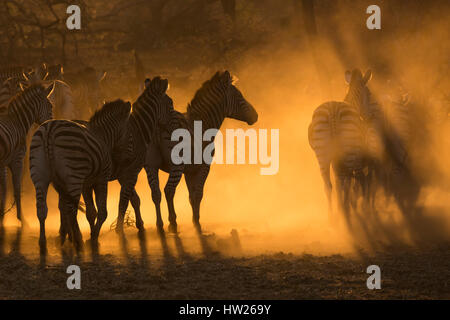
pixel 336 136
pixel 110 122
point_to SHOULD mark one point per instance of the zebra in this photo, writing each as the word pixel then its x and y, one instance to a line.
pixel 77 159
pixel 28 107
pixel 152 109
pixel 406 129
pixel 374 130
pixel 61 97
pixel 217 99
pixel 10 81
pixel 337 138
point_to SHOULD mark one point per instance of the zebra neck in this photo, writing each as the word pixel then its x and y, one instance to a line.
pixel 22 115
pixel 142 125
pixel 211 115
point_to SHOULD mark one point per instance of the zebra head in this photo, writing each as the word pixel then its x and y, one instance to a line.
pixel 153 109
pixel 163 104
pixel 358 94
pixel 44 110
pixel 235 105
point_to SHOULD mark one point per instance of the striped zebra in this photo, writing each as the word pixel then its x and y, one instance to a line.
pixel 61 97
pixel 77 159
pixel 374 129
pixel 153 108
pixel 10 81
pixel 336 136
pixel 406 132
pixel 217 99
pixel 28 107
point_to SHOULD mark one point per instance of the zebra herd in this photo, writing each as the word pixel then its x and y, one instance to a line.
pixel 80 157
pixel 368 145
pixel 364 142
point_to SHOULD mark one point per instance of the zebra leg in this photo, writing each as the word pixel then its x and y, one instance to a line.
pixel 372 186
pixel 2 194
pixel 91 212
pixel 325 171
pixel 195 182
pixel 64 227
pixel 136 203
pixel 127 186
pixel 42 210
pixel 16 167
pixel 153 181
pixel 69 204
pixel 40 175
pixel 342 195
pixel 169 191
pixel 101 194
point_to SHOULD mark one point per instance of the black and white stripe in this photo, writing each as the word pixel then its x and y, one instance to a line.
pixel 77 159
pixel 28 107
pixel 152 109
pixel 217 99
pixel 336 135
pixel 374 129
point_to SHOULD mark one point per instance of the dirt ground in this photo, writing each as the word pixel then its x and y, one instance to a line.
pixel 160 267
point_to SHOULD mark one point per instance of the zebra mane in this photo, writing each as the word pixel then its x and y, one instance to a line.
pixel 206 87
pixel 117 109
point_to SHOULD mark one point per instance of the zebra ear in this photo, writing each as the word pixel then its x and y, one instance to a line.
pixel 227 77
pixel 147 82
pixel 367 76
pixel 348 76
pixel 49 89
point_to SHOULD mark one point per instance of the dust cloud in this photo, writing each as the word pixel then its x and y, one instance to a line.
pixel 288 211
